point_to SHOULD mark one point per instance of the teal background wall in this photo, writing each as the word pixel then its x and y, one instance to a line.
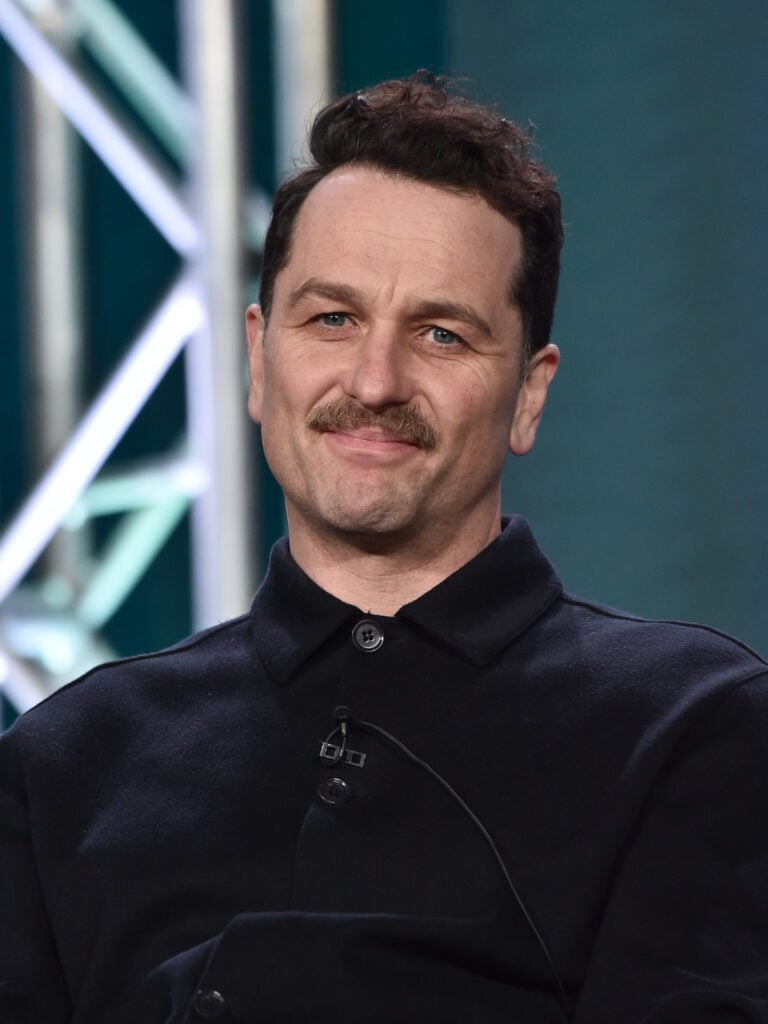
pixel 649 485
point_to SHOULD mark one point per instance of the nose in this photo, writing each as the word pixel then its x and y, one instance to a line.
pixel 377 375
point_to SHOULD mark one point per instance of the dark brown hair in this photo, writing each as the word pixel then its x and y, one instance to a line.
pixel 418 129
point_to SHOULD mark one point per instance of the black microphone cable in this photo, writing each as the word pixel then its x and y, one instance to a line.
pixel 344 718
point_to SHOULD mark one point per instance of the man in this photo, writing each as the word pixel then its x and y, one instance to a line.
pixel 418 782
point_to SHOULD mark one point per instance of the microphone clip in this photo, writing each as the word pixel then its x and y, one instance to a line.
pixel 333 753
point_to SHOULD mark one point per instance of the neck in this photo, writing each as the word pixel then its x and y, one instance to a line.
pixel 381 574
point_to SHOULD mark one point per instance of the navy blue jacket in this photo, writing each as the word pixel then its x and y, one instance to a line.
pixel 539 810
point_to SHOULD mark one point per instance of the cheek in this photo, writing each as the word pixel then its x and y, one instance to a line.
pixel 487 410
pixel 282 394
pixel 295 383
pixel 276 419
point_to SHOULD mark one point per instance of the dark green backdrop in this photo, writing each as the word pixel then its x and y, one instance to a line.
pixel 648 486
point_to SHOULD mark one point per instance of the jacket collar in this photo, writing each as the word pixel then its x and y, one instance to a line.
pixel 477 610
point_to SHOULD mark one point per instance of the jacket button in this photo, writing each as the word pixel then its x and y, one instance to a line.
pixel 367 636
pixel 335 790
pixel 209 1004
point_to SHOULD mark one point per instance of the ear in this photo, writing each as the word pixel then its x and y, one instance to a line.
pixel 531 399
pixel 254 329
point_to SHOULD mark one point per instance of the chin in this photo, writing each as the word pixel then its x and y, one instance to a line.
pixel 375 522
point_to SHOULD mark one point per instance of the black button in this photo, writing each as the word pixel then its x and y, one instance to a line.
pixel 367 635
pixel 209 1004
pixel 335 790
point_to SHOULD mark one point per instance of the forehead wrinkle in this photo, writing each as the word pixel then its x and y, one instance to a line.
pixel 426 242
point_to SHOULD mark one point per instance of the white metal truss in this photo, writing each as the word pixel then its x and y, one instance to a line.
pixel 49 628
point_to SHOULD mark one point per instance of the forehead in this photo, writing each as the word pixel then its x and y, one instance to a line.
pixel 402 235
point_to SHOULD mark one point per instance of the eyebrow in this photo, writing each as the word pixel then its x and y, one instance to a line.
pixel 332 290
pixel 434 309
pixel 447 309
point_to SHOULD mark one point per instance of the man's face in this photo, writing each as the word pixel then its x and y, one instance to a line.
pixel 387 381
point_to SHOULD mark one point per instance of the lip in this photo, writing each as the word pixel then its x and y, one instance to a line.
pixel 369 439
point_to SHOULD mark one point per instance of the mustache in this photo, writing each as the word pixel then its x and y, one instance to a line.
pixel 404 422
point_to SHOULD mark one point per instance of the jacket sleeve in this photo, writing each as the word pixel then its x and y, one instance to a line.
pixel 684 936
pixel 32 987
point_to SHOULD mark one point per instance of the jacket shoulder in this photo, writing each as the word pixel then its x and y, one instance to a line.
pixel 117 687
pixel 660 655
pixel 668 633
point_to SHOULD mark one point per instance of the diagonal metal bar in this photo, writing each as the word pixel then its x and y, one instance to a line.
pixel 178 316
pixel 130 550
pixel 148 482
pixel 155 94
pixel 140 175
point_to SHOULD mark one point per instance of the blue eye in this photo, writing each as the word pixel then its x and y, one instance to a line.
pixel 333 319
pixel 443 336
